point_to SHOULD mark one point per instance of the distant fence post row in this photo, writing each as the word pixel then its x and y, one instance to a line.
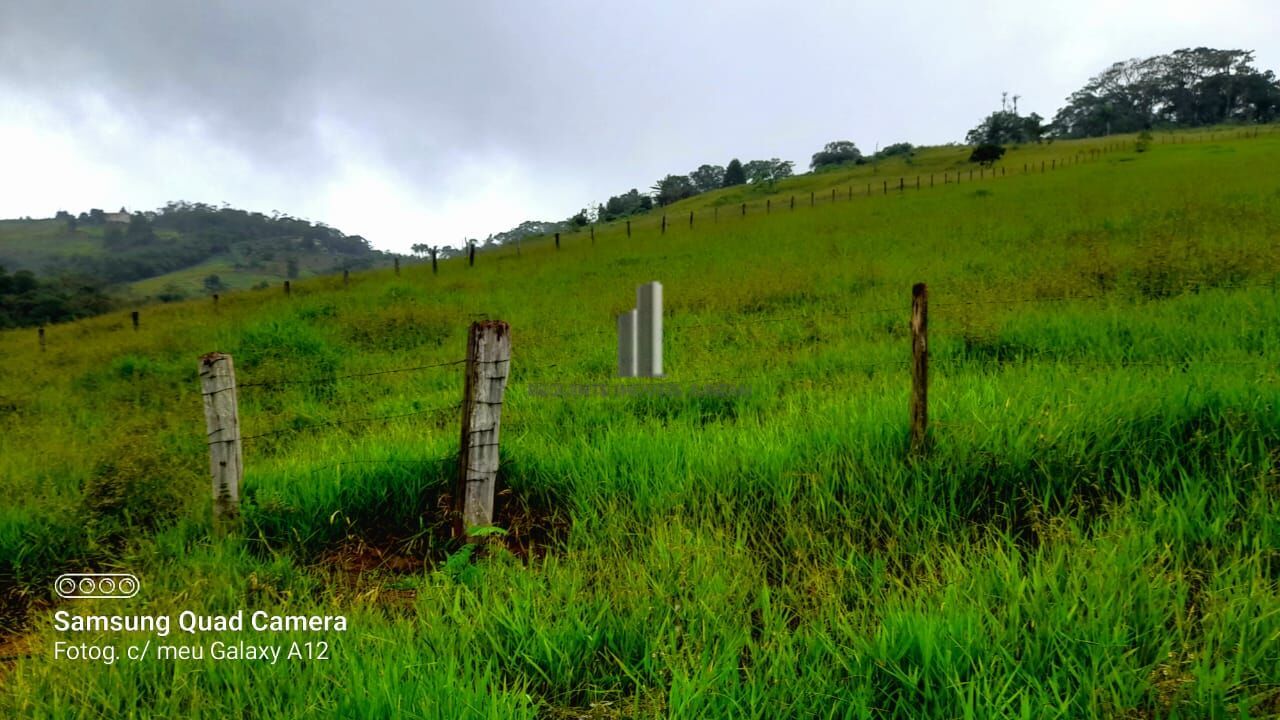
pixel 1027 168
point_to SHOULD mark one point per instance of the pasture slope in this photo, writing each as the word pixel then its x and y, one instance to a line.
pixel 1094 532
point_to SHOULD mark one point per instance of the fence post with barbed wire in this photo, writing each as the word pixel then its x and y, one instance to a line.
pixel 487 366
pixel 919 367
pixel 222 420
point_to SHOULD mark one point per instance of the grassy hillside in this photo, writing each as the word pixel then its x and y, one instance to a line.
pixel 1093 532
pixel 174 252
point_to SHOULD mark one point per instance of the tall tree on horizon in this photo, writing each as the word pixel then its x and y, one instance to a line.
pixel 734 174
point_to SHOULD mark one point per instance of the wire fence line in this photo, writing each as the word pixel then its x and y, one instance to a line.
pixel 351 421
pixel 827 313
pixel 943 364
pixel 782 374
pixel 489 342
pixel 335 378
pixel 874 186
pixel 421 462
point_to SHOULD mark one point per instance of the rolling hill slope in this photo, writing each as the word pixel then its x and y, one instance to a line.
pixel 182 250
pixel 1092 532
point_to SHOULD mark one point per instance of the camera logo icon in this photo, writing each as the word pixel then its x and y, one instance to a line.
pixel 102 586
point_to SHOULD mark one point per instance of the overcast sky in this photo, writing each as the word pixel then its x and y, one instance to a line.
pixel 417 121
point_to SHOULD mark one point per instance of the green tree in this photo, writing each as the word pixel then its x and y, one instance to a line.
pixel 734 174
pixel 767 172
pixel 1006 127
pixel 113 238
pixel 628 203
pixel 834 153
pixel 1185 88
pixel 707 178
pixel 213 284
pixel 673 188
pixel 986 154
pixel 902 148
pixel 139 231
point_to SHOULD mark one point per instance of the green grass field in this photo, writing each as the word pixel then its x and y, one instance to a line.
pixel 190 281
pixel 1094 532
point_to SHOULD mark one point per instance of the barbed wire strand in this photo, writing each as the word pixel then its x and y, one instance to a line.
pixel 423 461
pixel 938 364
pixel 335 378
pixel 352 421
pixel 731 322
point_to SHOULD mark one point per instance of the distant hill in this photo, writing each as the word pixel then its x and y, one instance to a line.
pixel 77 265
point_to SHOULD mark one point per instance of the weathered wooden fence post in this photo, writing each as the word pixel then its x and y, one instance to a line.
pixel 744 209
pixel 690 219
pixel 628 228
pixel 919 366
pixel 833 194
pixel 812 198
pixel 397 267
pixel 488 363
pixel 768 206
pixel 346 278
pixel 593 233
pixel 557 241
pixel 222 421
pixel 41 332
pixel 886 187
pixel 134 317
pixel 664 223
pixel 435 270
pixel 287 288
